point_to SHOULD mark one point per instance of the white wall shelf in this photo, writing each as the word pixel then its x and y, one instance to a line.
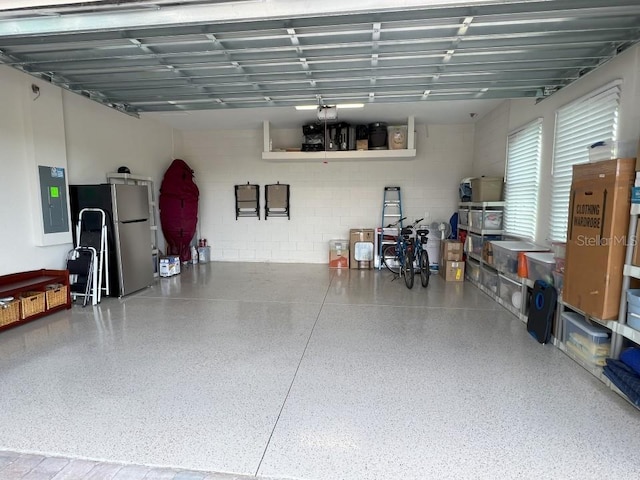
pixel 408 153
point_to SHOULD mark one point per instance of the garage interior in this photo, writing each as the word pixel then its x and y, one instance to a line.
pixel 264 362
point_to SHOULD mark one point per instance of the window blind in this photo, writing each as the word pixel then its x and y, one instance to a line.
pixel 591 119
pixel 523 180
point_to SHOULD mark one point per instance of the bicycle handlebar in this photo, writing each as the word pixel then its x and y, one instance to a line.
pixel 395 223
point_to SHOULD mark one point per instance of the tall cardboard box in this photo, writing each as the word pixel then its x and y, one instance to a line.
pixel 453 271
pixel 361 254
pixel 596 236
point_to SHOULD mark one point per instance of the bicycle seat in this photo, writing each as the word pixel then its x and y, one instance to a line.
pixel 423 232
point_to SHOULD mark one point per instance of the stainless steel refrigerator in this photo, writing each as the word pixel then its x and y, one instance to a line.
pixel 128 231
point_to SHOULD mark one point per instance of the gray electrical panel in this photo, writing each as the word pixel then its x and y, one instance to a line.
pixel 53 193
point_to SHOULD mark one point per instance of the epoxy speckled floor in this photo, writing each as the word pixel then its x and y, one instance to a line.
pixel 297 371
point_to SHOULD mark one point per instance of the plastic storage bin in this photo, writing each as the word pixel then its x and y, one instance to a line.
pixel 463 216
pixel 489 279
pixel 559 249
pixel 473 271
pixel 486 219
pixel 510 292
pixel 590 343
pixel 474 244
pixel 540 266
pixel 633 308
pixel 505 254
pixel 558 281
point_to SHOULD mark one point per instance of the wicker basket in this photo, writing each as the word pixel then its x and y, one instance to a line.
pixel 56 296
pixel 9 312
pixel 32 303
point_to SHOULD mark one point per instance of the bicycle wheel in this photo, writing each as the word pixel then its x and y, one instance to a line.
pixel 407 269
pixel 424 268
pixel 389 259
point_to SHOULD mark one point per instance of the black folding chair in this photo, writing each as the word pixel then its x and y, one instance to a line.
pixel 80 263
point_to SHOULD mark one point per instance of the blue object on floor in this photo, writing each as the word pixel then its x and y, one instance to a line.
pixel 631 358
pixel 624 378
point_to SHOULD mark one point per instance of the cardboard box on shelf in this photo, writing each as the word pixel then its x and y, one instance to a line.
pixel 450 250
pixel 338 253
pixel 362 144
pixel 453 271
pixel 487 253
pixel 361 242
pixel 486 189
pixel 169 265
pixel 597 236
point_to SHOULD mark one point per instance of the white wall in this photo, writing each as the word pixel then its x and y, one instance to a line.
pixel 625 67
pixel 490 142
pixel 96 140
pixel 327 199
pixel 100 139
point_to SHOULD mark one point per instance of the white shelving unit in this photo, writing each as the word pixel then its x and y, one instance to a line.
pixel 525 283
pixel 619 329
pixel 340 156
pixel 127 178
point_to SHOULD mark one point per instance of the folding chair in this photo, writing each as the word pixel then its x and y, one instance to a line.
pixel 247 200
pixel 80 264
pixel 276 201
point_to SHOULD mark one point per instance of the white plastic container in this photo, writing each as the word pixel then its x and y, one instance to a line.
pixel 505 254
pixel 510 292
pixel 473 271
pixel 590 343
pixel 486 220
pixel 540 266
pixel 558 281
pixel 463 217
pixel 489 279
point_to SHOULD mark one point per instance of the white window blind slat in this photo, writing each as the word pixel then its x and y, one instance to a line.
pixel 578 125
pixel 522 180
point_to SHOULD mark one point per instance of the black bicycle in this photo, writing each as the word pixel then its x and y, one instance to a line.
pixel 422 256
pixel 399 258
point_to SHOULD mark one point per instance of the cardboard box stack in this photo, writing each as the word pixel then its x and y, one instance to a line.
pixel 451 264
pixel 597 236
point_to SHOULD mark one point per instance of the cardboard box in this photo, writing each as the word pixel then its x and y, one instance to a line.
pixel 362 144
pixel 450 250
pixel 361 254
pixel 487 253
pixel 453 271
pixel 338 253
pixel 169 265
pixel 486 189
pixel 597 236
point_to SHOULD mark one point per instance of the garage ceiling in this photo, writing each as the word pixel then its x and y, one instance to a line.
pixel 156 56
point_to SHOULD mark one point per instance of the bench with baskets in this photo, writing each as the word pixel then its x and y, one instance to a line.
pixel 30 295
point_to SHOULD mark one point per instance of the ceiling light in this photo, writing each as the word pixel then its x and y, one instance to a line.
pixel 340 105
pixel 350 105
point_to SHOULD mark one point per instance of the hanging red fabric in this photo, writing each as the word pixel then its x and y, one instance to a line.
pixel 179 209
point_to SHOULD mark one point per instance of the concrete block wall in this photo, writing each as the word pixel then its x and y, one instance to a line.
pixel 327 199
